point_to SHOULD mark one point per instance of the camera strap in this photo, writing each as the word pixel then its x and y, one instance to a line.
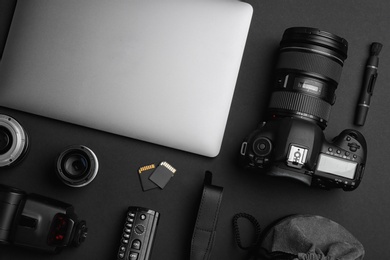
pixel 206 222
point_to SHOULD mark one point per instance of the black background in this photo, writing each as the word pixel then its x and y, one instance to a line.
pixel 364 212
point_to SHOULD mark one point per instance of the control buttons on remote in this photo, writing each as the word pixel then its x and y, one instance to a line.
pixel 136 244
pixel 138 234
pixel 139 229
pixel 129 225
pixel 133 256
pixel 121 253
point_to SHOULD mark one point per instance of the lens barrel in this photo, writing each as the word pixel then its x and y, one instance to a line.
pixel 77 166
pixel 307 74
pixel 13 141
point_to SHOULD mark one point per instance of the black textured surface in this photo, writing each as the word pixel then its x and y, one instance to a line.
pixel 365 212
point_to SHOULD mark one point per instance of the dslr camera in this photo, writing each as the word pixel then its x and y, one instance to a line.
pixel 291 142
pixel 37 222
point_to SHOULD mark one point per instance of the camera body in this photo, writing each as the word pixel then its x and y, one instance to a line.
pixel 38 222
pixel 296 148
pixel 291 142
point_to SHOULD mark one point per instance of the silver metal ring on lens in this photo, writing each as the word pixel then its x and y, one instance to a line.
pixel 13 141
pixel 77 166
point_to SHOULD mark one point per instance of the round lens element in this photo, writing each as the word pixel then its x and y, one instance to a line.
pixel 13 141
pixel 77 166
pixel 5 140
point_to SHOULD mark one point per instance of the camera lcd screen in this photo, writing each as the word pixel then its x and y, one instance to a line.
pixel 336 166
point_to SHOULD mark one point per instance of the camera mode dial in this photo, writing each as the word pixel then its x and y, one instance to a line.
pixel 262 146
pixel 256 152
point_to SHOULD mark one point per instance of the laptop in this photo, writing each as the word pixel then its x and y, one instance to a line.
pixel 159 71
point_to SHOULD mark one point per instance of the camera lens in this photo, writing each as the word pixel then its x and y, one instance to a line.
pixel 307 74
pixel 77 166
pixel 5 140
pixel 13 141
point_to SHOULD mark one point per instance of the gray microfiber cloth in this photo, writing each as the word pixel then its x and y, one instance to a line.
pixel 308 237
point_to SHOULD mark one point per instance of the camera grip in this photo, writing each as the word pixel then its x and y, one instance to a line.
pixel 353 141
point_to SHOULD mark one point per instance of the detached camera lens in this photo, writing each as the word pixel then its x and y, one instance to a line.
pixel 13 141
pixel 77 166
pixel 5 140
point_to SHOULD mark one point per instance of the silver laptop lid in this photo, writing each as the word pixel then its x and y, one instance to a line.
pixel 158 71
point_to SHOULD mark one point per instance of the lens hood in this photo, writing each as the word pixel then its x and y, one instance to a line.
pixel 316 39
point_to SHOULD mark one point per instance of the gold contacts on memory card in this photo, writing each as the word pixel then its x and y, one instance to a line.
pixel 146 168
pixel 152 177
pixel 144 174
pixel 162 174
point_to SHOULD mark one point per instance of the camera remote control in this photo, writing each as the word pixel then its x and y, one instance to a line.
pixel 138 234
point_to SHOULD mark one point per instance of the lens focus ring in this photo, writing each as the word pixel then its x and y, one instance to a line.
pixel 301 104
pixel 310 62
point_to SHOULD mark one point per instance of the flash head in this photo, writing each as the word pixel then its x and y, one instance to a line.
pixel 38 222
